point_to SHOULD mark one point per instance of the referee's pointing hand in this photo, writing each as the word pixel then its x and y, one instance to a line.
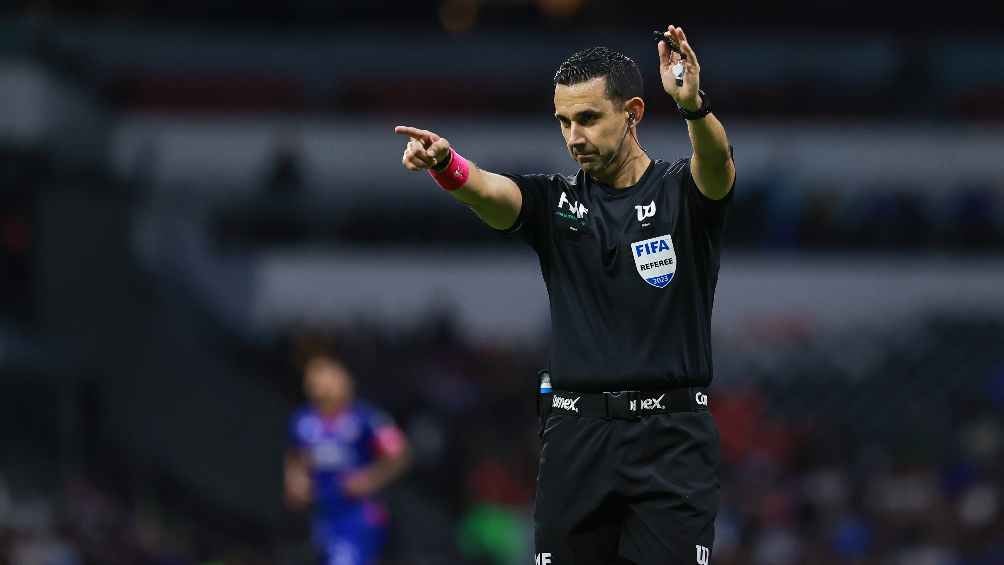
pixel 685 95
pixel 425 149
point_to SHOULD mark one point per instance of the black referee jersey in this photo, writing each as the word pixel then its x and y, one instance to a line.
pixel 631 276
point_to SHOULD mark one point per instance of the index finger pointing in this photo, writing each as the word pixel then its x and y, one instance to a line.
pixel 427 137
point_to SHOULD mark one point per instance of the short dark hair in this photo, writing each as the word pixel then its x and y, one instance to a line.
pixel 623 76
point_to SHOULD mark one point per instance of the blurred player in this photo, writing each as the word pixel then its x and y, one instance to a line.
pixel 341 453
pixel 629 249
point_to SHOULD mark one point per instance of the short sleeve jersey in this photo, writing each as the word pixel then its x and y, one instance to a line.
pixel 338 446
pixel 630 274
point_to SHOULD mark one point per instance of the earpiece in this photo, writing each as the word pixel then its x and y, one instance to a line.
pixel 630 118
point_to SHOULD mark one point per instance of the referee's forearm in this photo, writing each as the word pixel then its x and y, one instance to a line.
pixel 475 190
pixel 494 198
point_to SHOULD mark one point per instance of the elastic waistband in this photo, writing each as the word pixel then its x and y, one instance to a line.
pixel 628 404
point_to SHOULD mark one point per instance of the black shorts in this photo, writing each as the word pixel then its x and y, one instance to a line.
pixel 613 491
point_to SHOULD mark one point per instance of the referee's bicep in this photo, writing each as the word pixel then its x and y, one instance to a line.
pixel 713 181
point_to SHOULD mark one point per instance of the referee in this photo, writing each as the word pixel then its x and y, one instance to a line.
pixel 629 251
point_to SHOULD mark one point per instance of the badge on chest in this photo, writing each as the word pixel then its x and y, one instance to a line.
pixel 655 260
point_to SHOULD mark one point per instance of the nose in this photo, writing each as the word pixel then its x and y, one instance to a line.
pixel 575 137
pixel 575 132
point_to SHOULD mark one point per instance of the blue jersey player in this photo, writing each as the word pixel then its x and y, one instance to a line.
pixel 341 453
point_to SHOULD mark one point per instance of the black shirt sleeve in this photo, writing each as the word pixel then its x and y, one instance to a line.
pixel 533 222
pixel 708 214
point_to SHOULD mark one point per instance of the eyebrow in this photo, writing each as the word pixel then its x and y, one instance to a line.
pixel 579 115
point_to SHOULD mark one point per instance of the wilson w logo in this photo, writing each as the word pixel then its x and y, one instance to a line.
pixel 702 555
pixel 646 211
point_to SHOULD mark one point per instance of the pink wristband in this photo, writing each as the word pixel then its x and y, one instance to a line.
pixel 455 174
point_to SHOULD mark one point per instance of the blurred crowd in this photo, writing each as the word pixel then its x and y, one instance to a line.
pixel 84 522
pixel 19 170
pixel 544 14
pixel 772 212
pixel 904 466
pixel 769 214
pixel 880 218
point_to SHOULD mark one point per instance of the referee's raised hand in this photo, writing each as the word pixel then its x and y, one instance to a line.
pixel 425 149
pixel 686 95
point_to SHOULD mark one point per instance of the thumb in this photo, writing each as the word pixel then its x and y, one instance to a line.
pixel 439 148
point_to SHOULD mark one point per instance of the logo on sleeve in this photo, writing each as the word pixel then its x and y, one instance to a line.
pixel 655 260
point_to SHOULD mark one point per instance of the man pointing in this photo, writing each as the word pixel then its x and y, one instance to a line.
pixel 629 251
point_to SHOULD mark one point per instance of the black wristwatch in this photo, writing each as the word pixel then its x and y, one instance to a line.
pixel 699 113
